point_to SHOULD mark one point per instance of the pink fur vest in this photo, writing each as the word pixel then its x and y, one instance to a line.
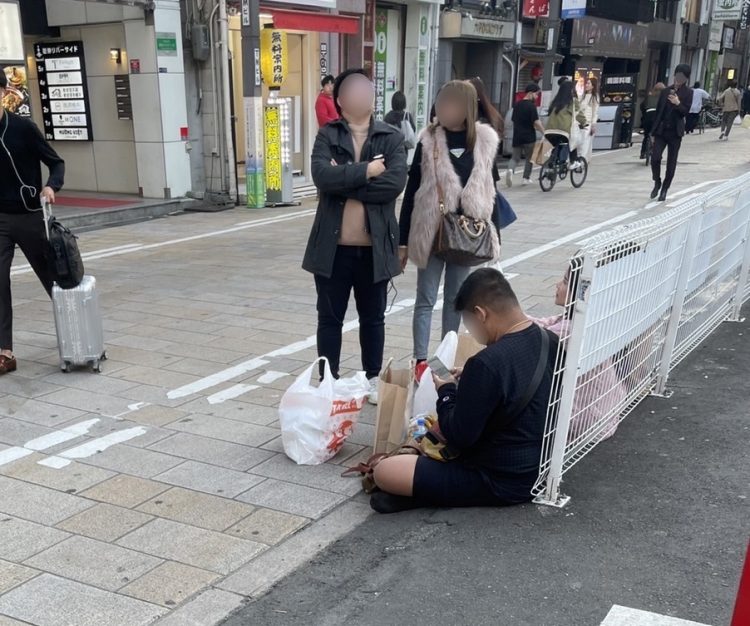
pixel 477 198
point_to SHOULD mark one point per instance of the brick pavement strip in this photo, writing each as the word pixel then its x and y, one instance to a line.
pixel 202 510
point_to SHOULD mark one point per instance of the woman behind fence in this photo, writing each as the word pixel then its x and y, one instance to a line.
pixel 565 123
pixel 456 157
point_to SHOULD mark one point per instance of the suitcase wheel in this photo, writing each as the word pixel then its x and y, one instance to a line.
pixel 65 367
pixel 96 366
pixel 103 357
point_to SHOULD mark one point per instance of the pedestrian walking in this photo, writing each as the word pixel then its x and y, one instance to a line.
pixel 456 154
pixel 669 129
pixel 566 120
pixel 699 98
pixel 22 151
pixel 648 115
pixel 745 102
pixel 400 118
pixel 325 108
pixel 359 166
pixel 730 100
pixel 526 123
pixel 590 109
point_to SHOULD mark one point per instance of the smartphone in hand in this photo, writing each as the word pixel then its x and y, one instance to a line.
pixel 438 368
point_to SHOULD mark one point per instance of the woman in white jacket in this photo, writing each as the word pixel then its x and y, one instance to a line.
pixel 590 108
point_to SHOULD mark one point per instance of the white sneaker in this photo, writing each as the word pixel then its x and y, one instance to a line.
pixel 721 137
pixel 372 398
pixel 526 181
pixel 576 166
pixel 509 178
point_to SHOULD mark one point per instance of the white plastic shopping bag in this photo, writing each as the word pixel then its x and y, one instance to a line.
pixel 426 396
pixel 316 420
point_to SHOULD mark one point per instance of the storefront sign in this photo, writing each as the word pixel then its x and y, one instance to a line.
pixel 246 12
pixel 621 89
pixel 255 176
pixel 600 37
pixel 272 135
pixel 745 15
pixel 62 85
pixel 323 59
pixel 728 38
pixel 535 8
pixel 727 9
pixel 277 140
pixel 17 99
pixel 572 9
pixel 123 97
pixel 713 62
pixel 379 59
pixel 582 75
pixel 166 44
pixel 455 25
pixel 11 38
pixel 273 56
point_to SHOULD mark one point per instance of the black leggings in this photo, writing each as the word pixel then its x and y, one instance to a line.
pixel 352 270
pixel 27 231
pixel 561 140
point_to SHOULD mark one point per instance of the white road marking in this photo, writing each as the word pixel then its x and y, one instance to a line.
pixel 624 616
pixel 60 436
pixel 270 376
pixel 219 377
pixel 230 393
pixel 13 454
pixel 55 462
pixel 102 443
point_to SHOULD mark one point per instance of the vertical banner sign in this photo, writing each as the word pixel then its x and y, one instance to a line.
pixel 273 57
pixel 381 47
pixel 572 9
pixel 62 85
pixel 246 12
pixel 422 65
pixel 272 134
pixel 745 15
pixel 621 89
pixel 727 9
pixel 323 59
pixel 535 8
pixel 17 99
pixel 255 175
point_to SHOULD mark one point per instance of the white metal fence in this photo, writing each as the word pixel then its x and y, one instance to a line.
pixel 640 298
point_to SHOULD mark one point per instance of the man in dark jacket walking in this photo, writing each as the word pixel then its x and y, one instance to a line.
pixel 669 128
pixel 22 150
pixel 359 166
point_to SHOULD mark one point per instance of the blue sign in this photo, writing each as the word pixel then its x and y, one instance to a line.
pixel 572 9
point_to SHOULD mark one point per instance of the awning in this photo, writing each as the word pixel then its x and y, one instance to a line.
pixel 317 22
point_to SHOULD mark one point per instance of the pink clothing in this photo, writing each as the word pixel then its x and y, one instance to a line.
pixel 599 391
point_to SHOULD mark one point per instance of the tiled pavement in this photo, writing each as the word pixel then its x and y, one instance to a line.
pixel 200 509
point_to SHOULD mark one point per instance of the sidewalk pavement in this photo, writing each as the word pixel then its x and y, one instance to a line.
pixel 158 490
pixel 658 522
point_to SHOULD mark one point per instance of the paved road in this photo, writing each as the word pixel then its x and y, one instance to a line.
pixel 189 506
pixel 659 520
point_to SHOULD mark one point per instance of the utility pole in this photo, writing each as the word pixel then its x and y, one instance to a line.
pixel 553 37
pixel 255 176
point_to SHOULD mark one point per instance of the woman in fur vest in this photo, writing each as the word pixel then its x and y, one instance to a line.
pixel 458 151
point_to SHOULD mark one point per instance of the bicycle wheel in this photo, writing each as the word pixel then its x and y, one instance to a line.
pixel 578 177
pixel 548 174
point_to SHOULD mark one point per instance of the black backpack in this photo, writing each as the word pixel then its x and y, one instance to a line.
pixel 62 254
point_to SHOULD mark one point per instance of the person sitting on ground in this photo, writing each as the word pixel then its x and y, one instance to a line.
pixel 484 412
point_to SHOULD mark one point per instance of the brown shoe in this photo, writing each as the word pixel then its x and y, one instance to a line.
pixel 8 364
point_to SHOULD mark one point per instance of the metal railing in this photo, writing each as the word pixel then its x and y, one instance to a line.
pixel 640 298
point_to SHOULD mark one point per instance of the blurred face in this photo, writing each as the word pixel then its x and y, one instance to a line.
pixel 328 89
pixel 357 96
pixel 589 86
pixel 561 289
pixel 476 323
pixel 450 110
pixel 680 79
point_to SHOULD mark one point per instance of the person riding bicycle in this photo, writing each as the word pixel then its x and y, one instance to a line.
pixel 648 114
pixel 566 119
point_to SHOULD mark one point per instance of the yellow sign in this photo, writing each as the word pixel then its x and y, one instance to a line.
pixel 273 56
pixel 272 128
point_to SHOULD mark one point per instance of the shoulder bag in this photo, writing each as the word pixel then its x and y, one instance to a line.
pixel 62 253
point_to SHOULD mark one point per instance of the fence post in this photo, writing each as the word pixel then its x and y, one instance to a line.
pixel 552 495
pixel 739 296
pixel 695 223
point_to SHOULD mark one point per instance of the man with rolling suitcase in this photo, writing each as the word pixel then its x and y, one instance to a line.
pixel 22 151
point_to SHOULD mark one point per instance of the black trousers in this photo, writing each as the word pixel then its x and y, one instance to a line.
pixel 672 143
pixel 691 122
pixel 352 270
pixel 27 231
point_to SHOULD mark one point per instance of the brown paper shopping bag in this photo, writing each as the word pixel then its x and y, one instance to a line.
pixel 542 150
pixel 395 398
pixel 467 348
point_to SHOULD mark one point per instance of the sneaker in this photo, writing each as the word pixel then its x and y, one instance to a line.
pixel 419 370
pixel 526 181
pixel 576 166
pixel 509 178
pixel 372 397
pixel 721 137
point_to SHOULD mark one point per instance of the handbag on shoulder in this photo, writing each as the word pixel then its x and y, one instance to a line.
pixel 461 240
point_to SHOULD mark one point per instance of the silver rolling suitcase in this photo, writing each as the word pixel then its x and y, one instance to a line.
pixel 80 335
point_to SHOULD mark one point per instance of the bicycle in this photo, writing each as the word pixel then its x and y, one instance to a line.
pixel 710 116
pixel 557 167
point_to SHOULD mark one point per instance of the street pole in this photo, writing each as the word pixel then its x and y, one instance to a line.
pixel 553 37
pixel 253 103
